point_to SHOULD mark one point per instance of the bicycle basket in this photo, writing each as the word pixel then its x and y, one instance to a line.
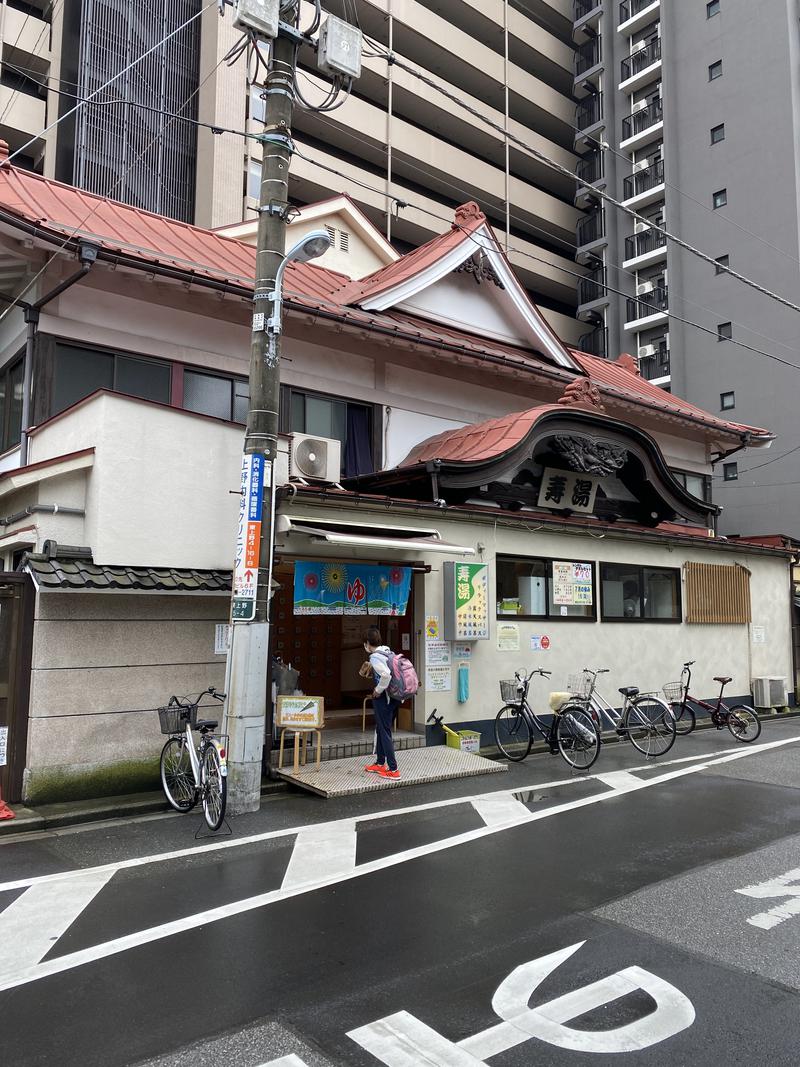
pixel 173 718
pixel 580 685
pixel 673 692
pixel 510 691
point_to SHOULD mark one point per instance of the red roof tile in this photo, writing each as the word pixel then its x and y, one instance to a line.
pixel 484 440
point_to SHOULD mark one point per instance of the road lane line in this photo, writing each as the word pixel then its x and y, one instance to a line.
pixel 271 835
pixel 502 810
pixel 330 848
pixel 619 780
pixel 240 907
pixel 31 924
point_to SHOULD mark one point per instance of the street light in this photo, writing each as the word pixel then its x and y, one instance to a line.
pixel 312 246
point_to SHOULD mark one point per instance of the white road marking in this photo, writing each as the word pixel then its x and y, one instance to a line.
pixel 239 907
pixel 622 781
pixel 329 847
pixel 286 1061
pixel 291 831
pixel 500 809
pixel 401 1040
pixel 786 886
pixel 31 924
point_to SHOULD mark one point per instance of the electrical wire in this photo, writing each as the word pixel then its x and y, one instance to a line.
pixel 393 59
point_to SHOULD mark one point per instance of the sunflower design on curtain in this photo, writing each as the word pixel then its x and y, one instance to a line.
pixel 350 589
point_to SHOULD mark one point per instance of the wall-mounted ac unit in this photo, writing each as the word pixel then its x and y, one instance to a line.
pixel 769 692
pixel 644 287
pixel 646 351
pixel 640 105
pixel 641 227
pixel 315 459
pixel 643 164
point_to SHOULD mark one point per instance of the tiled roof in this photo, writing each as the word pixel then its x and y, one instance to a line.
pixel 483 441
pixel 76 574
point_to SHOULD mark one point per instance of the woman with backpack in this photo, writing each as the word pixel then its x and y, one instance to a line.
pixel 384 706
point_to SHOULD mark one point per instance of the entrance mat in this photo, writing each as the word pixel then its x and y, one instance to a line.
pixel 346 777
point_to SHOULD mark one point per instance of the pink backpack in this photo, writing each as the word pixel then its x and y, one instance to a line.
pixel 404 683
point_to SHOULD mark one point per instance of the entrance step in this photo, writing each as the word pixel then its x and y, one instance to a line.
pixel 418 766
pixel 344 744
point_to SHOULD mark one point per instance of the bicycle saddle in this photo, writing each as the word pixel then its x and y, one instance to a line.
pixel 723 681
pixel 206 724
pixel 630 690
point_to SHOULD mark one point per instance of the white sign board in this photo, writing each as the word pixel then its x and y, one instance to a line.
pixel 439 678
pixel 302 713
pixel 3 745
pixel 222 639
pixel 507 637
pixel 572 583
pixel 759 635
pixel 568 491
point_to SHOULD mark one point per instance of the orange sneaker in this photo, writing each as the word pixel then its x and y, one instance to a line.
pixel 386 773
pixel 375 768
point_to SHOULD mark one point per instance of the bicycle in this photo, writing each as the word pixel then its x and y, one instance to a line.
pixel 190 773
pixel 645 720
pixel 572 733
pixel 741 719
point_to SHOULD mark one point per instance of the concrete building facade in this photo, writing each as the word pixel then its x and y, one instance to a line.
pixel 689 116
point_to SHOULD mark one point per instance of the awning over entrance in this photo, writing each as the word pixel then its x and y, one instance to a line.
pixel 399 538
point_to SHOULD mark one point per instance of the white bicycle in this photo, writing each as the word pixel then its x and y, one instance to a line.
pixel 646 720
pixel 192 772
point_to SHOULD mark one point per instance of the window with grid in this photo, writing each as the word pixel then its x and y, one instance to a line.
pixel 715 70
pixel 80 370
pixel 718 133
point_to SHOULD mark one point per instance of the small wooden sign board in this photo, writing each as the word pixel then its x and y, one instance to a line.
pixel 301 713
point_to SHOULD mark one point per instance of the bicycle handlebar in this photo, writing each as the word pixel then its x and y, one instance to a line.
pixel 691 663
pixel 600 670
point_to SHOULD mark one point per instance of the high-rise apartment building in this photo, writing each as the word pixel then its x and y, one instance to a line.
pixel 689 114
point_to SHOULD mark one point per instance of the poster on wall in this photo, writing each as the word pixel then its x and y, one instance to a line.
pixel 350 589
pixel 466 601
pixel 540 643
pixel 507 637
pixel 439 679
pixel 572 583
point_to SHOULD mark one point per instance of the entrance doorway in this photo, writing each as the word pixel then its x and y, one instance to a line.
pixel 328 650
pixel 16 644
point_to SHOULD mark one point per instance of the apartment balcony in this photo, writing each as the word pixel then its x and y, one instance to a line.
pixel 643 126
pixel 588 67
pixel 654 362
pixel 642 67
pixel 591 173
pixel 586 17
pixel 634 14
pixel 592 295
pixel 589 119
pixel 24 114
pixel 647 310
pixel 590 236
pixel 595 343
pixel 645 186
pixel 644 249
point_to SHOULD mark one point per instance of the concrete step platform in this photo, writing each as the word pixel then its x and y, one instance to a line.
pixel 343 744
pixel 346 777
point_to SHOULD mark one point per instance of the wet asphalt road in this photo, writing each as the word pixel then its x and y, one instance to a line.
pixel 404 927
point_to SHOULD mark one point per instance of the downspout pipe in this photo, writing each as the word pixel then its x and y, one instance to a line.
pixel 87 253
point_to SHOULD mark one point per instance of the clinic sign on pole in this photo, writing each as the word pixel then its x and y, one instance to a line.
pixel 248 539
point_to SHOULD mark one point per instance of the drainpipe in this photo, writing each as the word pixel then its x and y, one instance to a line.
pixel 87 254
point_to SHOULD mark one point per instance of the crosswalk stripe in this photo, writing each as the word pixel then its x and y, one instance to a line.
pixel 31 924
pixel 328 848
pixel 500 810
pixel 619 780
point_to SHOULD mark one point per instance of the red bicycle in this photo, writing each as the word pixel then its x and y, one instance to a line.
pixel 741 719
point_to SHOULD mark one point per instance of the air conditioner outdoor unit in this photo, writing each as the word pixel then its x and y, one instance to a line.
pixel 646 351
pixel 643 164
pixel 641 227
pixel 315 459
pixel 639 106
pixel 769 692
pixel 644 287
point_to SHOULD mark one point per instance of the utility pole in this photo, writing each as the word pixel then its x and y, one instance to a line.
pixel 247 662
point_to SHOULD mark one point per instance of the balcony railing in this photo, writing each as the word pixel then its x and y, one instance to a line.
pixel 643 180
pixel 629 8
pixel 656 366
pixel 639 61
pixel 590 169
pixel 642 120
pixel 642 243
pixel 646 305
pixel 592 287
pixel 589 111
pixel 595 342
pixel 583 7
pixel 588 55
pixel 590 228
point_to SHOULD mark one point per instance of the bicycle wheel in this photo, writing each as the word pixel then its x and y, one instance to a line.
pixel 214 787
pixel 650 726
pixel 577 737
pixel 743 723
pixel 685 718
pixel 512 733
pixel 177 779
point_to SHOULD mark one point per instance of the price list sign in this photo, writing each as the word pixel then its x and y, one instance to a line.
pixel 466 591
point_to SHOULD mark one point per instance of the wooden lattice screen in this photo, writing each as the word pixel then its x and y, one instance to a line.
pixel 717 593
